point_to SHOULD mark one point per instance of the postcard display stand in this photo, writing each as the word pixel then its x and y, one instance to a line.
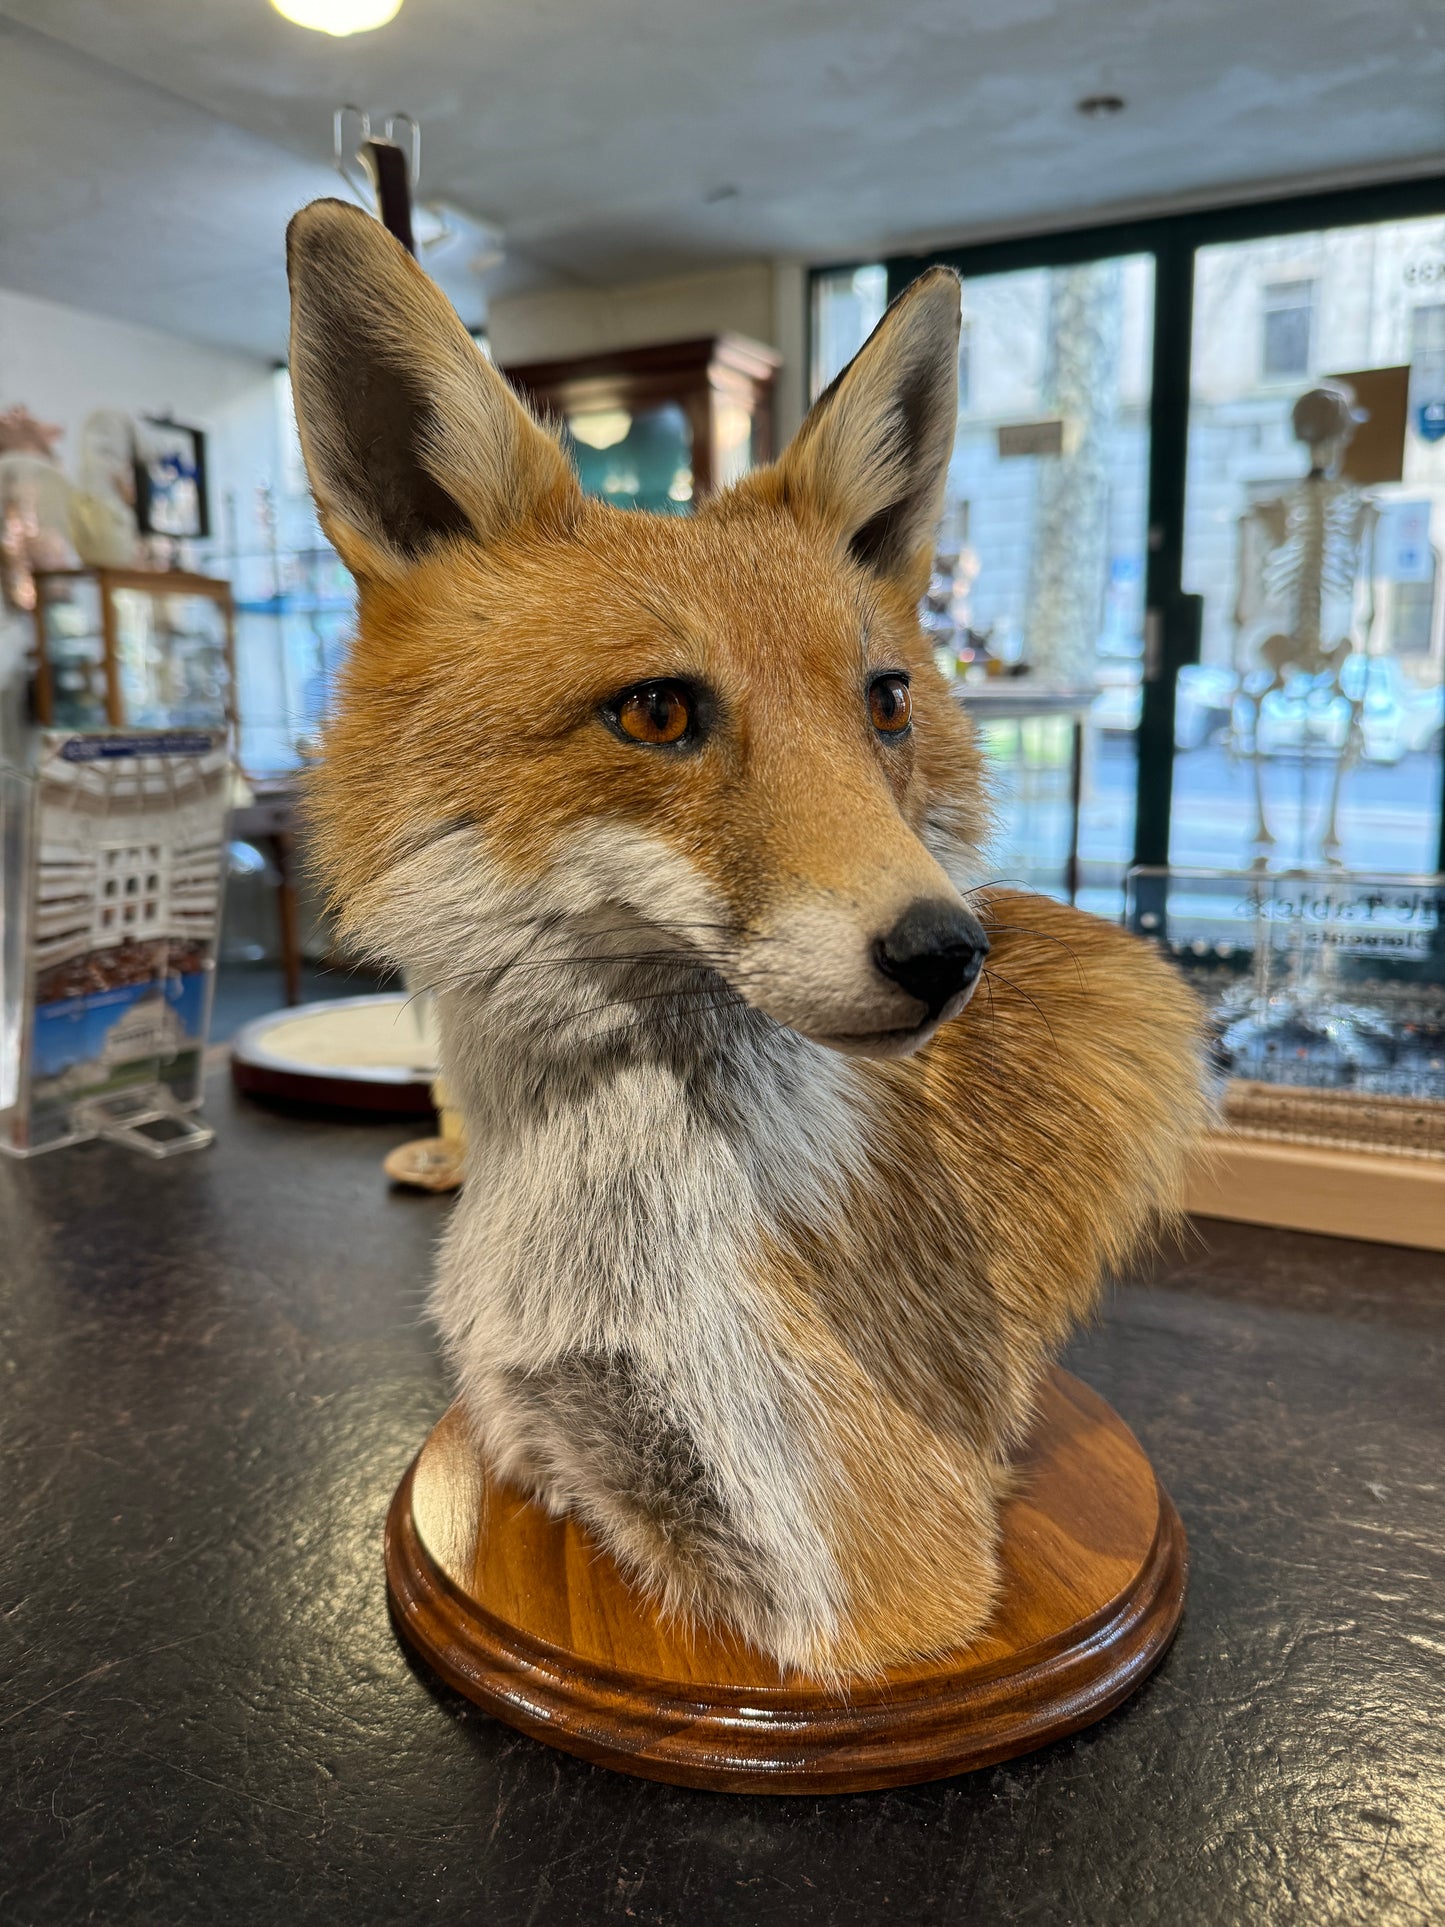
pixel 112 872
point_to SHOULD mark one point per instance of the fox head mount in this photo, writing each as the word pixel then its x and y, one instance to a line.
pixel 731 719
pixel 765 1238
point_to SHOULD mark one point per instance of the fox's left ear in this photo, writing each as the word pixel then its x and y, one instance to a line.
pixel 411 437
pixel 871 458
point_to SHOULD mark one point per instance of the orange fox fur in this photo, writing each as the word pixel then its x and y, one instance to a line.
pixel 759 1257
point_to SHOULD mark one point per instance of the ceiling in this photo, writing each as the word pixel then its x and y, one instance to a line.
pixel 151 152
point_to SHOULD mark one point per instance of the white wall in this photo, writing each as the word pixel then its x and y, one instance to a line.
pixel 790 338
pixel 63 363
pixel 763 299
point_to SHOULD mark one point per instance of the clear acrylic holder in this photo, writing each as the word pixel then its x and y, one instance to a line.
pixel 127 1119
pixel 110 899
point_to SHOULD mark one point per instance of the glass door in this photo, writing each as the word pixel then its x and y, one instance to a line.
pixel 1036 605
pixel 1304 797
pixel 1037 601
pixel 1309 733
pixel 1121 592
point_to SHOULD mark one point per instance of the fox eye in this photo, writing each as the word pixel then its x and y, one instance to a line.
pixel 658 713
pixel 890 704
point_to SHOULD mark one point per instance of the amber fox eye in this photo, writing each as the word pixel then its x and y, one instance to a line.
pixel 890 704
pixel 659 713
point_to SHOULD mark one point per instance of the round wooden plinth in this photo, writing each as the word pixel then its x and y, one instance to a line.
pixel 524 1614
pixel 365 1054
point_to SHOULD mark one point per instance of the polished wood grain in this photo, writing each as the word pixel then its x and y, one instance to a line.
pixel 525 1615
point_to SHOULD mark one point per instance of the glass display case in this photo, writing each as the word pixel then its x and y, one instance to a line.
pixel 295 615
pixel 133 648
pixel 656 428
pixel 1326 998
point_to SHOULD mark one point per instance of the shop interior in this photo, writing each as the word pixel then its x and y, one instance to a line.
pixel 1184 591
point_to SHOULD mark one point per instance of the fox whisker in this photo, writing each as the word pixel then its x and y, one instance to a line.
pixel 646 1020
pixel 1047 936
pixel 659 997
pixel 490 977
pixel 643 960
pixel 1018 992
pixel 992 1025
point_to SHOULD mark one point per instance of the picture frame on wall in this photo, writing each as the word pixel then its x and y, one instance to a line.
pixel 170 480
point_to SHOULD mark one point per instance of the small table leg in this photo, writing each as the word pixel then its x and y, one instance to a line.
pixel 286 916
pixel 1076 803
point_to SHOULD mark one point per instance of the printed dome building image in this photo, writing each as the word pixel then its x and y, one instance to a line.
pixel 119 929
pixel 150 1028
pixel 130 850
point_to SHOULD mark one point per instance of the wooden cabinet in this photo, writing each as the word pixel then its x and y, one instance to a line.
pixel 133 648
pixel 659 427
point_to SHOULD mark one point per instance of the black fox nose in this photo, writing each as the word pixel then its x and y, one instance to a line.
pixel 934 952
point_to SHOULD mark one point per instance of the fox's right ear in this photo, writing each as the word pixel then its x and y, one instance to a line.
pixel 411 437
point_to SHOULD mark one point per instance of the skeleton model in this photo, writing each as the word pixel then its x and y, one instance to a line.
pixel 1304 564
pixel 1305 605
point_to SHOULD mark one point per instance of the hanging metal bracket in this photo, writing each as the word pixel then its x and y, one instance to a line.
pixel 381 166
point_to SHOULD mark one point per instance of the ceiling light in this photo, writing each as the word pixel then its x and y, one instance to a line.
pixel 339 17
pixel 1092 106
pixel 601 428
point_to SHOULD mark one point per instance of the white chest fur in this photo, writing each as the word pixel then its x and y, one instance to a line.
pixel 612 1209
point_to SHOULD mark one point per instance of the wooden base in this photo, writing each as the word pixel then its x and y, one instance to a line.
pixel 523 1614
pixel 364 1054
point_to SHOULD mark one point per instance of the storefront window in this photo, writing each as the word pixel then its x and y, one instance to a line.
pixel 1264 779
pixel 1285 748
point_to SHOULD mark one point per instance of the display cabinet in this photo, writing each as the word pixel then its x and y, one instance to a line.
pixel 133 648
pixel 1325 999
pixel 657 428
pixel 295 615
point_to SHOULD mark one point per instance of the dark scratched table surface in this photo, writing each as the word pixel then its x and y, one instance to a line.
pixel 212 1373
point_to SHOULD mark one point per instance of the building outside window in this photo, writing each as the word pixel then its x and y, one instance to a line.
pixel 965 364
pixel 1289 309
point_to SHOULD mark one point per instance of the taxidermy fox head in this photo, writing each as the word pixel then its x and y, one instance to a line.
pixel 712 750
pixel 651 802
